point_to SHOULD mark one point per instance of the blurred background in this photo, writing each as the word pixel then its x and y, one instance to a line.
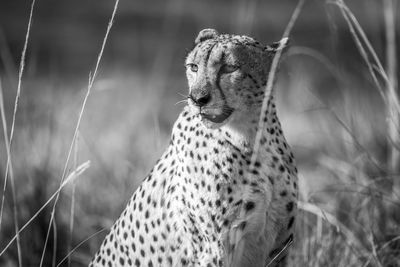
pixel 331 110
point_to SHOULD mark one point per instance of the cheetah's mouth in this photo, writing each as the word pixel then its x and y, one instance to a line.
pixel 218 118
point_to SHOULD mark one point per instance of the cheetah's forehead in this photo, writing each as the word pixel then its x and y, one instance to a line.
pixel 224 43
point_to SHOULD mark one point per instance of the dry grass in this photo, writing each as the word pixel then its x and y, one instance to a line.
pixel 268 92
pixel 374 227
pixel 350 205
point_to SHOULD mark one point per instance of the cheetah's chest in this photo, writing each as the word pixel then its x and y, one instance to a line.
pixel 210 180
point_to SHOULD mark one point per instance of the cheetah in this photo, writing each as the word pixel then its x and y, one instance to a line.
pixel 205 203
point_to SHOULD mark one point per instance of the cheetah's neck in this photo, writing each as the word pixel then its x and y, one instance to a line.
pixel 241 132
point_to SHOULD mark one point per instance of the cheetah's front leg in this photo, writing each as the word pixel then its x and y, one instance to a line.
pixel 245 240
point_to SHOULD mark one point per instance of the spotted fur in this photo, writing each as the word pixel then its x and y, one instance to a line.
pixel 203 203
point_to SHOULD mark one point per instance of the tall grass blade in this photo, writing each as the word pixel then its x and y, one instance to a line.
pixel 5 133
pixel 270 83
pixel 392 95
pixel 8 165
pixel 9 172
pixel 80 244
pixel 72 211
pixel 365 48
pixel 90 85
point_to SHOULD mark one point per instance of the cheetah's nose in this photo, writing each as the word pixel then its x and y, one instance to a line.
pixel 200 98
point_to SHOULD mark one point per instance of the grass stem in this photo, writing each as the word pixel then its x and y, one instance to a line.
pixel 90 85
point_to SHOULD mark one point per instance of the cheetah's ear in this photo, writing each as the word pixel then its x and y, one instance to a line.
pixel 205 35
pixel 283 45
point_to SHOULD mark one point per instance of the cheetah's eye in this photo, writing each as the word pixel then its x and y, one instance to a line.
pixel 192 67
pixel 226 68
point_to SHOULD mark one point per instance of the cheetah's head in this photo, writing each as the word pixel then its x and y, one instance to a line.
pixel 227 76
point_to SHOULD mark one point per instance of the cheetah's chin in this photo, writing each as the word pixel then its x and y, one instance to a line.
pixel 215 120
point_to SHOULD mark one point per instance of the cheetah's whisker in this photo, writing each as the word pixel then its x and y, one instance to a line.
pixel 181 101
